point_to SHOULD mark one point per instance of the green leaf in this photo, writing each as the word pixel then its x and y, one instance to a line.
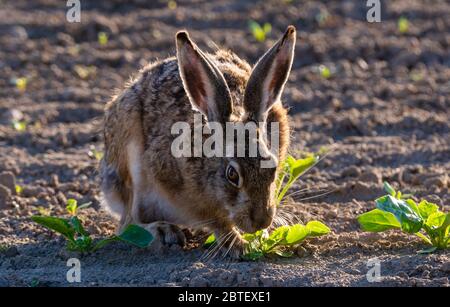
pixel 424 238
pixel 56 224
pixel 77 226
pixel 280 233
pixel 249 237
pixel 410 221
pixel 296 234
pixel 81 244
pixel 295 168
pixel 71 206
pixel 412 204
pixel 389 189
pixel 317 229
pixel 435 219
pixel 428 250
pixel 136 235
pixel 299 166
pixel 403 25
pixel 267 28
pixel 102 38
pixel 378 220
pixel 253 256
pixel 257 31
pixel 210 240
pixel 426 209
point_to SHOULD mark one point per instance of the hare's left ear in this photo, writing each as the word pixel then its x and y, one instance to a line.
pixel 203 82
pixel 269 76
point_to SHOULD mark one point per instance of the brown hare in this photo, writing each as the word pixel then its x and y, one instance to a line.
pixel 145 184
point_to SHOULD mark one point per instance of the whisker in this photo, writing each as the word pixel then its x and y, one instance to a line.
pixel 212 247
pixel 222 244
pixel 219 243
pixel 303 191
pixel 316 196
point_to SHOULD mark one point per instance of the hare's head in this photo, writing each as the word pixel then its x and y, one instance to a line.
pixel 241 183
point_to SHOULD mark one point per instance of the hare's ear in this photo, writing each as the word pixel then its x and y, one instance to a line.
pixel 269 76
pixel 202 80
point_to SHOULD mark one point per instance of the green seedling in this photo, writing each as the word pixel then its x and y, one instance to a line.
pixel 20 125
pixel 78 239
pixel 325 72
pixel 72 206
pixel 398 211
pixel 94 153
pixel 259 32
pixel 403 25
pixel 281 240
pixel 172 5
pixel 278 242
pixel 21 83
pixel 292 170
pixel 18 189
pixel 102 38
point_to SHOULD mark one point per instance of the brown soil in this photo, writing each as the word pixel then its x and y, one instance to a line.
pixel 385 107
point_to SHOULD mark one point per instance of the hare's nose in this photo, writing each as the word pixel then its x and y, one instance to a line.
pixel 262 217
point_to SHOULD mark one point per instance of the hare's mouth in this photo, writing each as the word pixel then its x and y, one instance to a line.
pixel 245 226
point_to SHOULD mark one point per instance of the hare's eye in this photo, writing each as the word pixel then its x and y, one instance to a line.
pixel 233 176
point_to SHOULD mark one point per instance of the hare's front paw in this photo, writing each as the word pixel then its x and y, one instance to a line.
pixel 166 234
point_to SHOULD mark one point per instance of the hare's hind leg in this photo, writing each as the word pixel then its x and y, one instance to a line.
pixel 116 194
pixel 146 209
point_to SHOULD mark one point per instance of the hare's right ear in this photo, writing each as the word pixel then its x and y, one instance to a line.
pixel 202 80
pixel 269 76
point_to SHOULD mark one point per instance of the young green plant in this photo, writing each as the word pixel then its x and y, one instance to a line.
pixel 78 239
pixel 398 211
pixel 259 32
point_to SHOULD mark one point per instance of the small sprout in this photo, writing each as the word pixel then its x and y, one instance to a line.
pixel 172 5
pixel 324 71
pixel 260 33
pixel 34 283
pixel 20 125
pixel 102 38
pixel 292 170
pixel 416 76
pixel 78 239
pixel 403 25
pixel 397 211
pixel 72 206
pixel 279 242
pixel 94 153
pixel 19 189
pixel 85 72
pixel 21 84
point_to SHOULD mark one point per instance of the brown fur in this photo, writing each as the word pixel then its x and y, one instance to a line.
pixel 143 114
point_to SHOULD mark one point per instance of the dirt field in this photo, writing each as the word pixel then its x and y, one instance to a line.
pixel 386 107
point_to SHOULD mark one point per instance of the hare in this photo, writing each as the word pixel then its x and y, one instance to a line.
pixel 143 183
